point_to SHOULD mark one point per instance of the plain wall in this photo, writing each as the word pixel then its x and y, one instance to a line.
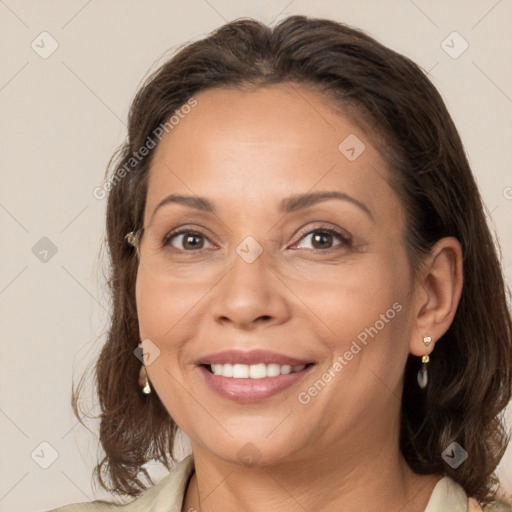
pixel 63 116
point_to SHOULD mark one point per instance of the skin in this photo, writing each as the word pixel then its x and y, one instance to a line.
pixel 245 151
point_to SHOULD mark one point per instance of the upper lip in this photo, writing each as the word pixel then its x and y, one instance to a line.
pixel 250 357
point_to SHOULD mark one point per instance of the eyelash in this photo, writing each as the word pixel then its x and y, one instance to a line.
pixel 344 239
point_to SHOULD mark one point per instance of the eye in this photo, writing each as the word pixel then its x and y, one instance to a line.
pixel 187 240
pixel 324 239
pixel 319 239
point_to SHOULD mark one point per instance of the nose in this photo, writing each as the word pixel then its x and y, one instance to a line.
pixel 250 295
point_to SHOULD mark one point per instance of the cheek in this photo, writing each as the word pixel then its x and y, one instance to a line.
pixel 169 314
pixel 361 294
pixel 368 316
pixel 162 311
pixel 163 307
pixel 153 309
pixel 367 313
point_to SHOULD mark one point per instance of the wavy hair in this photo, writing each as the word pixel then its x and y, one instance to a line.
pixel 470 375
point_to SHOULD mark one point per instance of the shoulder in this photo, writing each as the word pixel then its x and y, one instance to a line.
pixel 97 506
pixel 166 496
pixel 502 505
pixel 449 495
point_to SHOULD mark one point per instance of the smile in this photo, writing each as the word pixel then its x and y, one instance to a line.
pixel 251 376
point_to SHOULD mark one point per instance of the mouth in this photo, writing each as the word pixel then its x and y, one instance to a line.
pixel 251 376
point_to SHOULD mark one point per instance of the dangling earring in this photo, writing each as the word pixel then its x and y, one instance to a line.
pixel 143 379
pixel 422 373
pixel 147 388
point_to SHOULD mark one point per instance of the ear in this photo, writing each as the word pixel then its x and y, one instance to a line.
pixel 437 294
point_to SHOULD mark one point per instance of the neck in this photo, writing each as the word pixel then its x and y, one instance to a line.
pixel 372 478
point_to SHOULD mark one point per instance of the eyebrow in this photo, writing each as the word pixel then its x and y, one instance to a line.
pixel 287 205
pixel 301 201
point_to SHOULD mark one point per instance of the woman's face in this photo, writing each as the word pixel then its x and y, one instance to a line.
pixel 295 258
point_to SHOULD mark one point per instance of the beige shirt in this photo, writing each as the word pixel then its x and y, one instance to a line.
pixel 168 494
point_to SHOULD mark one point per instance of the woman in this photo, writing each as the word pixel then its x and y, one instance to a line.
pixel 298 241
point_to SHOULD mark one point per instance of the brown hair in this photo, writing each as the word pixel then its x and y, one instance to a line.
pixel 470 372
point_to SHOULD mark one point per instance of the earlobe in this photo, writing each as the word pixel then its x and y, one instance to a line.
pixel 441 289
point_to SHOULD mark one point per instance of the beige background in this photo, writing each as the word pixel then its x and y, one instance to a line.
pixel 62 117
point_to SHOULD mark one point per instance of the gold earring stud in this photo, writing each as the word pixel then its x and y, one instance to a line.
pixel 131 238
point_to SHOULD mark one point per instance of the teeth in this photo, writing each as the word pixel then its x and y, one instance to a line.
pixel 254 371
pixel 285 369
pixel 257 371
pixel 273 370
pixel 240 371
pixel 226 369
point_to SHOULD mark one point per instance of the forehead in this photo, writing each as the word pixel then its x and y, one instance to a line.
pixel 283 115
pixel 264 143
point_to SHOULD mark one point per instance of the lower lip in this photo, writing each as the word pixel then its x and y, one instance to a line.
pixel 251 390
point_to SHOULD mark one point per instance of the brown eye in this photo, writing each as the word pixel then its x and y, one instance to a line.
pixel 192 241
pixel 324 238
pixel 186 240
